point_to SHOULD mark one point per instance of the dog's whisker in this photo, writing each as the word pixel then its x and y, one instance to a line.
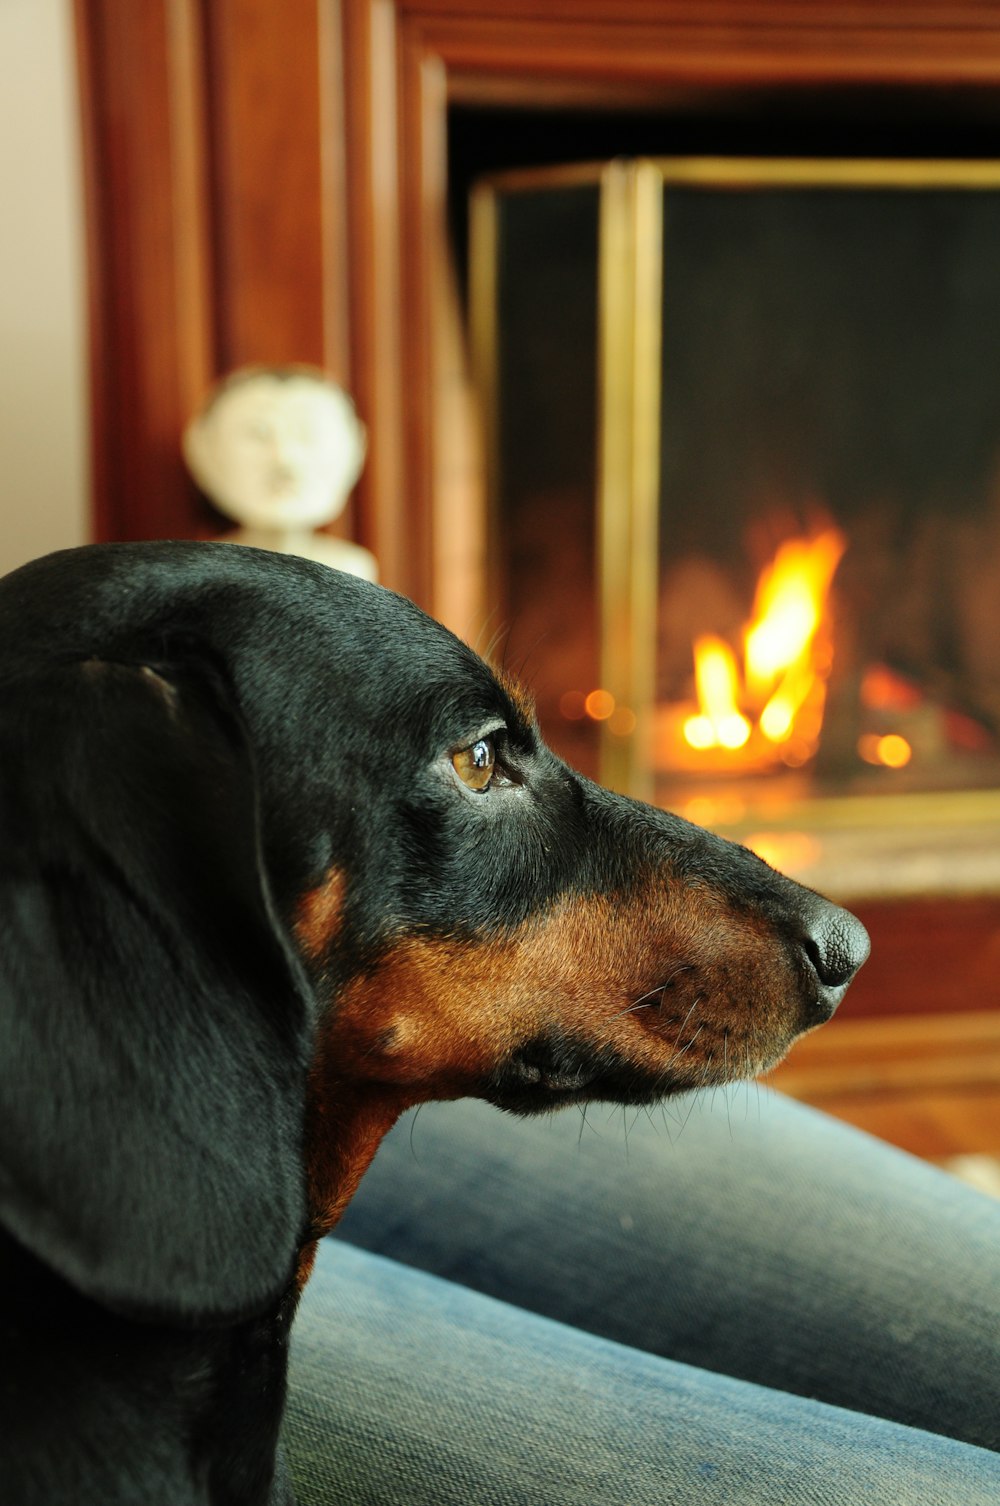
pixel 625 1130
pixel 655 995
pixel 499 630
pixel 646 1002
pixel 413 1125
pixel 680 1050
pixel 756 1082
pixel 665 1113
pixel 725 1077
pixel 691 1101
pixel 683 1049
pixel 698 1000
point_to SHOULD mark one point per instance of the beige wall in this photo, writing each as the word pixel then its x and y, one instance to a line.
pixel 44 501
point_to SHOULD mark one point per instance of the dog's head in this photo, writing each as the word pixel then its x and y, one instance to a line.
pixel 282 857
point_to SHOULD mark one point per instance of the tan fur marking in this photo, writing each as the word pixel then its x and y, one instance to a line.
pixel 99 669
pixel 163 688
pixel 436 1018
pixel 344 1127
pixel 521 697
pixel 317 917
pixel 306 1261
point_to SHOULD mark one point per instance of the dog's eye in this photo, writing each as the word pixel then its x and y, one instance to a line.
pixel 474 765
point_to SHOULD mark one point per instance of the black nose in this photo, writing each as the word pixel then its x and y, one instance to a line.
pixel 835 944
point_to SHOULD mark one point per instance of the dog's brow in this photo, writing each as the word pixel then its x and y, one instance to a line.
pixel 520 699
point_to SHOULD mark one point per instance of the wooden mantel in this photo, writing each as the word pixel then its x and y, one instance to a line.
pixel 267 181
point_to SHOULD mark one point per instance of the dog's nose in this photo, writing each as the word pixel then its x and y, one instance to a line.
pixel 835 944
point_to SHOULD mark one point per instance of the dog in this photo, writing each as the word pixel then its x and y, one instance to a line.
pixel 281 858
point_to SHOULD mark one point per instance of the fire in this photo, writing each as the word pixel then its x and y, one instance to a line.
pixel 890 751
pixel 772 705
pixel 720 722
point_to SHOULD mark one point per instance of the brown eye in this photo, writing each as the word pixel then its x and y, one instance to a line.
pixel 474 765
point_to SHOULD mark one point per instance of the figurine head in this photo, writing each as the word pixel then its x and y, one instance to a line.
pixel 276 447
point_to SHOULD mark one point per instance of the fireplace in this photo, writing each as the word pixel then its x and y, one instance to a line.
pixel 744 447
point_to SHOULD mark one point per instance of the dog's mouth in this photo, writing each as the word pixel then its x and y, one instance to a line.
pixel 546 1072
pixel 733 989
pixel 555 1069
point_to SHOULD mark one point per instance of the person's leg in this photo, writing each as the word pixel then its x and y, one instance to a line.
pixel 407 1390
pixel 761 1240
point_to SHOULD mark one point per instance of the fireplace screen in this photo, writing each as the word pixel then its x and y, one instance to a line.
pixel 744 423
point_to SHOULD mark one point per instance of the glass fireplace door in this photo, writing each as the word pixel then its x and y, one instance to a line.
pixel 745 439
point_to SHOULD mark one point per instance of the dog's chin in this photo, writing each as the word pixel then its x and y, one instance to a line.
pixel 541 1098
pixel 553 1071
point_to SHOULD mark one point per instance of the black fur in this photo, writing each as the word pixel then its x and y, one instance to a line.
pixel 190 737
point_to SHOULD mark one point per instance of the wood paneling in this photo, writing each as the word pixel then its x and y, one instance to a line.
pixel 215 192
pixel 718 42
pixel 146 200
pixel 267 182
pixel 535 51
pixel 928 955
pixel 372 277
pixel 274 120
pixel 930 1084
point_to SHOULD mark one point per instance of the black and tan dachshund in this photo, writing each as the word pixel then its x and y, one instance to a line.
pixel 280 858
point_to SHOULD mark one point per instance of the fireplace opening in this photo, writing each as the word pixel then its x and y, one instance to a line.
pixel 745 461
pixel 830 473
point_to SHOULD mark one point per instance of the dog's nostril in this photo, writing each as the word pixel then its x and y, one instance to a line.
pixel 836 944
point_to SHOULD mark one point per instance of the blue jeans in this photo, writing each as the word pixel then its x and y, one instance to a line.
pixel 735 1300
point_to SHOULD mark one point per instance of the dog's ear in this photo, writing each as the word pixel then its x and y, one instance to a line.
pixel 152 1016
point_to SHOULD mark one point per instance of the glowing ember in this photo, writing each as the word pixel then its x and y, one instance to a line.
pixel 891 751
pixel 773 709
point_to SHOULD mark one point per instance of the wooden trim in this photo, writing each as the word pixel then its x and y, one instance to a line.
pixel 215 192
pixel 373 229
pixel 89 85
pixel 715 42
pixel 193 291
pixel 148 273
pixel 449 51
pixel 216 189
pixel 270 181
pixel 333 191
pixel 897 16
pixel 930 1084
pixel 423 187
pixel 904 1054
pixel 929 956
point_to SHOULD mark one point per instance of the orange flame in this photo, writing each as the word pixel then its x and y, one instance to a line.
pixel 775 707
pixel 720 723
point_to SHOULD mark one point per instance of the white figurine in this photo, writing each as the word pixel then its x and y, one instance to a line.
pixel 278 449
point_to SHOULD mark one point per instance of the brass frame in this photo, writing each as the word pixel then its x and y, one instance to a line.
pixel 630 310
pixel 483 302
pixel 629 315
pixel 629 236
